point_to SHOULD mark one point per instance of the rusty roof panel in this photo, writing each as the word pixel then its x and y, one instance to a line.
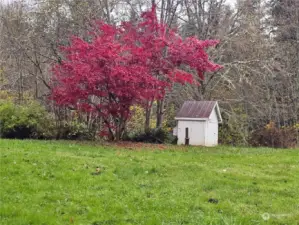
pixel 196 109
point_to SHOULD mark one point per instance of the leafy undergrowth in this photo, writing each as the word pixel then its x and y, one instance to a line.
pixel 50 182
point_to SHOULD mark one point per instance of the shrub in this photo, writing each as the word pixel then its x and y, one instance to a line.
pixel 271 136
pixel 229 135
pixel 74 130
pixel 29 120
pixel 157 136
pixel 233 130
pixel 135 124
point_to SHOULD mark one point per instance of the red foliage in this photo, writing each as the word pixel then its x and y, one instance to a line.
pixel 125 65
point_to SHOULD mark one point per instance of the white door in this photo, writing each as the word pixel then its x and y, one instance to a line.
pixel 212 134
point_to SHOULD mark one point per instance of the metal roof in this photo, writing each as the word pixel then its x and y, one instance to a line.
pixel 198 109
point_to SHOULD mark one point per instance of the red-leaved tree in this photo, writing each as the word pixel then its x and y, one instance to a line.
pixel 125 65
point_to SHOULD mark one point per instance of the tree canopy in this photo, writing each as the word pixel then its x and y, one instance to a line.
pixel 120 66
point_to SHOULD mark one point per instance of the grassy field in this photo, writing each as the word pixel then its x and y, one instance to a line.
pixel 50 182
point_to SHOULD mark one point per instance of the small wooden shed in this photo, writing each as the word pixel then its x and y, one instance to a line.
pixel 197 123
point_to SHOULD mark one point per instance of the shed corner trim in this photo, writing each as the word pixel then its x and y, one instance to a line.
pixel 218 112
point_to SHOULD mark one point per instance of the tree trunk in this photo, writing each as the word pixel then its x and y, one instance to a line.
pixel 120 129
pixel 147 119
pixel 36 83
pixel 148 111
pixel 21 94
pixel 160 113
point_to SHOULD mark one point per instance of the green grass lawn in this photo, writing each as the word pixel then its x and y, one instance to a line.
pixel 50 182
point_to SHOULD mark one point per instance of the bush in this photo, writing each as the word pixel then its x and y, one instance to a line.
pixel 271 136
pixel 233 130
pixel 157 136
pixel 29 120
pixel 229 135
pixel 74 130
pixel 136 123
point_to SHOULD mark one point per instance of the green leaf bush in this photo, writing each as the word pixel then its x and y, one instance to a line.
pixel 27 120
pixel 75 130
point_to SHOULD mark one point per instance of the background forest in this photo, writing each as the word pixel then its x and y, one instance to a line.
pixel 257 90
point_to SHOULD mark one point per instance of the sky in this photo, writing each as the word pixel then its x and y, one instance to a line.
pixel 231 2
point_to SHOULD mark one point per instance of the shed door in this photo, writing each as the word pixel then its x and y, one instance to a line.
pixel 212 134
pixel 197 134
